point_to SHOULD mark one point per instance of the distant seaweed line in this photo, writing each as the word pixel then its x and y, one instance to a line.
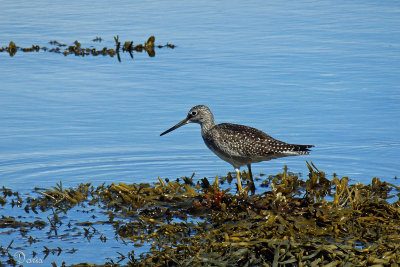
pixel 77 49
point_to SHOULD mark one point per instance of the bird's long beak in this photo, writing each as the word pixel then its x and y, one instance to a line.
pixel 179 124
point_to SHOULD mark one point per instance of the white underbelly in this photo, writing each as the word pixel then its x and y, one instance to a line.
pixel 236 162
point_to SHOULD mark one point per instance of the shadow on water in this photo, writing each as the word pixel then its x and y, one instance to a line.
pixel 296 221
pixel 77 49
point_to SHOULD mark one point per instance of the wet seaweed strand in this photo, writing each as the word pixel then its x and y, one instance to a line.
pixel 77 49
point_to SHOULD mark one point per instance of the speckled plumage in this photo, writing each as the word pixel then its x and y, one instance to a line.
pixel 238 144
pixel 241 145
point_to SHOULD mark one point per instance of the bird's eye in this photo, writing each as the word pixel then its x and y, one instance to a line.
pixel 193 113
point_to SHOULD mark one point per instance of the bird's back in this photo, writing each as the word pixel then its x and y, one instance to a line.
pixel 240 145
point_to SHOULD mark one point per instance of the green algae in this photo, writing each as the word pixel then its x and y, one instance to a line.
pixel 77 49
pixel 300 222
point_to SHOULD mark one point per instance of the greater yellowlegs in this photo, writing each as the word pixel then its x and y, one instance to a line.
pixel 238 144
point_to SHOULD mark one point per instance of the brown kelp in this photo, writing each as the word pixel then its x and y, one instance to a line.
pixel 78 50
pixel 300 222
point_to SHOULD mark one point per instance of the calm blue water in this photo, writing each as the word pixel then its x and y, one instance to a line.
pixel 309 72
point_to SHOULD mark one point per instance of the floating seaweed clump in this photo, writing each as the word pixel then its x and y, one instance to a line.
pixel 298 222
pixel 78 50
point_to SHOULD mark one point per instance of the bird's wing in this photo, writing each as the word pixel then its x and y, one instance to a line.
pixel 245 141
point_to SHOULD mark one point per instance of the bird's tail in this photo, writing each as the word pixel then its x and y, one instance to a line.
pixel 302 149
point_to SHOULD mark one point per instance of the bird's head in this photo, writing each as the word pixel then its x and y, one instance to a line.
pixel 197 114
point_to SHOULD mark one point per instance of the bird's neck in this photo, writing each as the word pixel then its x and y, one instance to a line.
pixel 206 126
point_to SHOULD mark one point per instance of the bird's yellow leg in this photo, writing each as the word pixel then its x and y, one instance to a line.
pixel 238 180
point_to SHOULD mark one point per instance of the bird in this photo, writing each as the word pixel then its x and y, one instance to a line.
pixel 238 144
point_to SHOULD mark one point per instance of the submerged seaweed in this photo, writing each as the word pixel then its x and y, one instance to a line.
pixel 316 221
